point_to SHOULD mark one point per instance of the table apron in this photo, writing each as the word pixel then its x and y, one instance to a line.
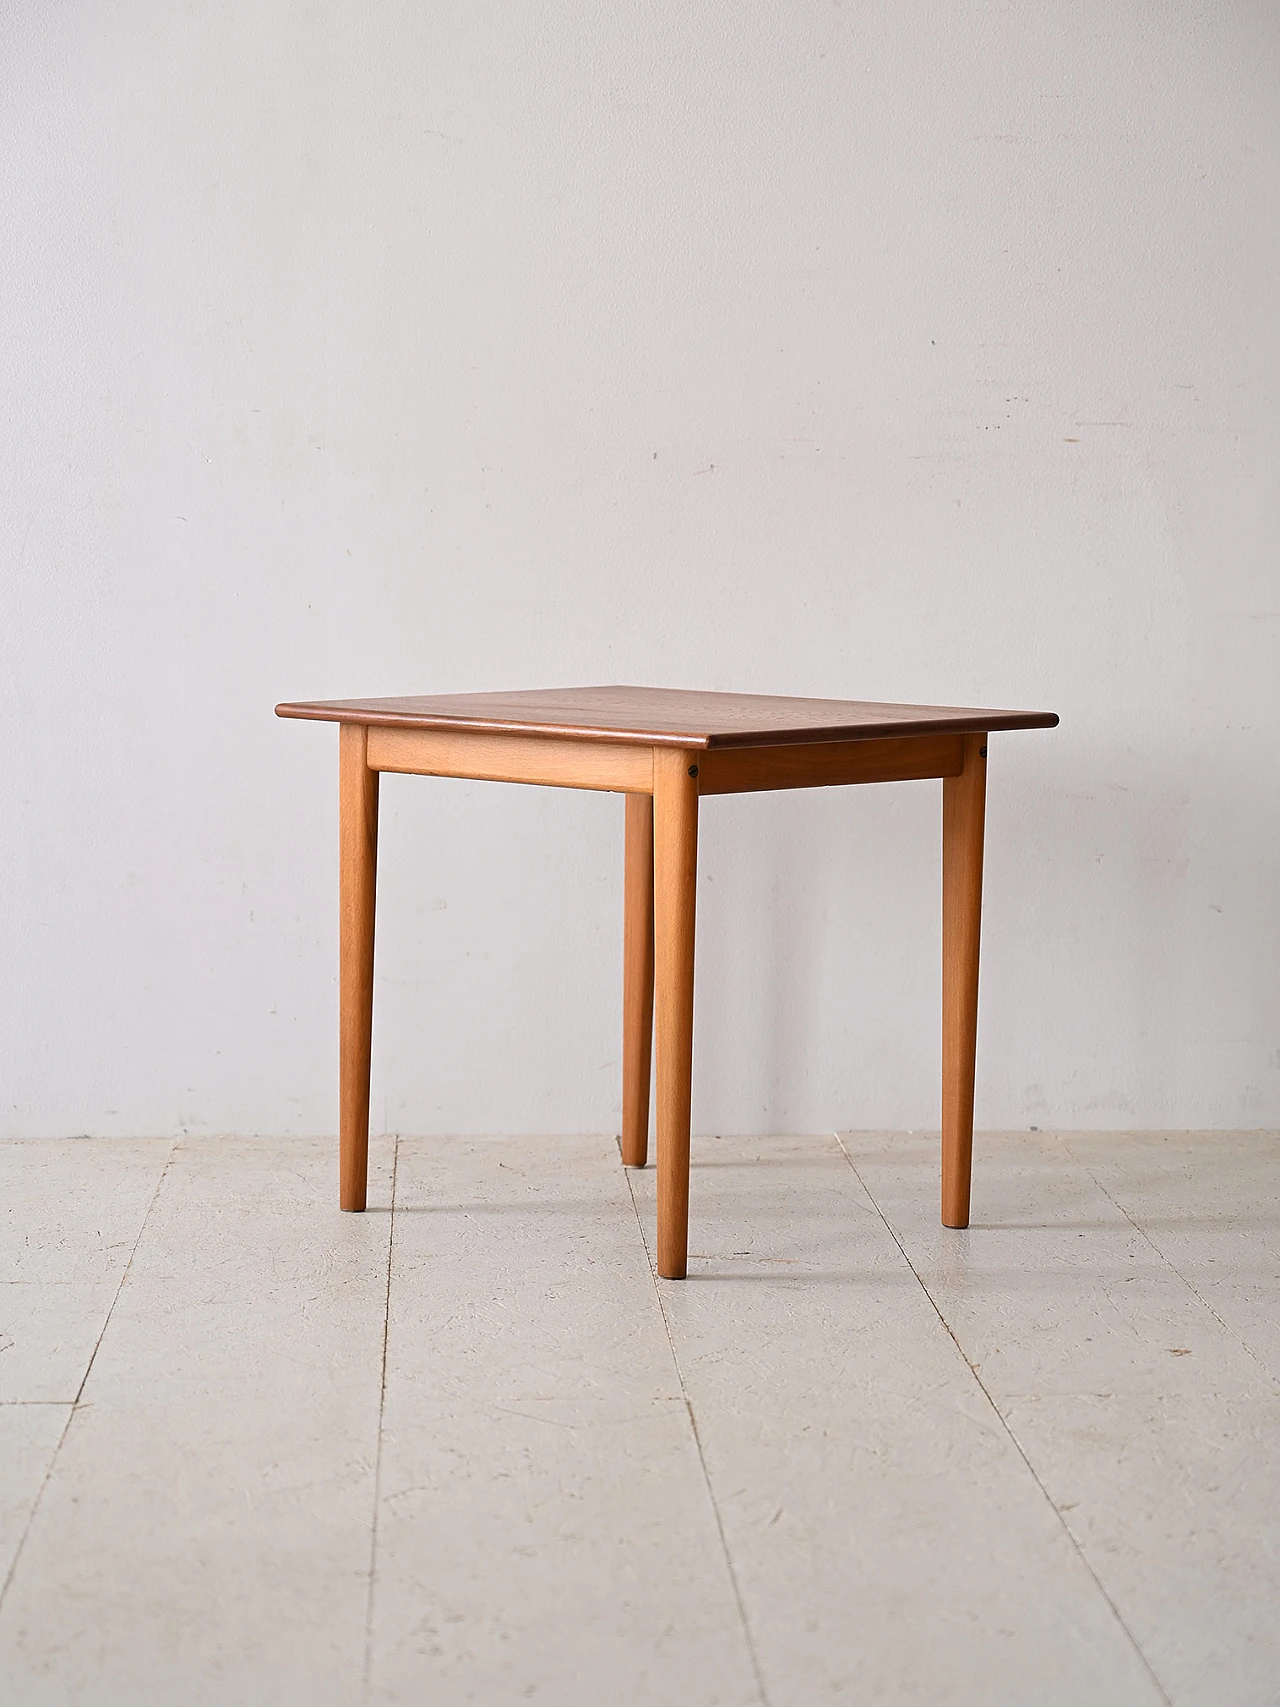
pixel 821 764
pixel 557 763
pixel 627 768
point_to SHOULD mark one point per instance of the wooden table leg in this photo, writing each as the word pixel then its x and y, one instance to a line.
pixel 637 980
pixel 675 850
pixel 963 810
pixel 357 866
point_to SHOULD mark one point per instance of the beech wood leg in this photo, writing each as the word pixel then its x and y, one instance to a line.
pixel 963 811
pixel 675 867
pixel 637 980
pixel 358 860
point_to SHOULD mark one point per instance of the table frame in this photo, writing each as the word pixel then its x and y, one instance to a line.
pixel 663 785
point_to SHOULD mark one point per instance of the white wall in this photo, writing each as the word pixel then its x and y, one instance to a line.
pixel 894 350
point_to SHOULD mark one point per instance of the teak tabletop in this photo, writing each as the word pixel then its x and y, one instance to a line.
pixel 668 717
pixel 664 748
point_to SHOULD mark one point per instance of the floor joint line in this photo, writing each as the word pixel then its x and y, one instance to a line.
pixel 702 1458
pixel 74 1404
pixel 1169 1263
pixel 1008 1429
pixel 382 1406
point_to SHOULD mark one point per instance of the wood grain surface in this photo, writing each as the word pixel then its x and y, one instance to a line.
pixel 479 753
pixel 357 884
pixel 822 764
pixel 963 814
pixel 672 717
pixel 675 884
pixel 637 980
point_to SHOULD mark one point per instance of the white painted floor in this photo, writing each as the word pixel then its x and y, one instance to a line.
pixel 466 1450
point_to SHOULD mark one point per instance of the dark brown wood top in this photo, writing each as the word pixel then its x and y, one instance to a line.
pixel 670 717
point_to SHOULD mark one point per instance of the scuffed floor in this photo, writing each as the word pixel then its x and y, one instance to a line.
pixel 467 1450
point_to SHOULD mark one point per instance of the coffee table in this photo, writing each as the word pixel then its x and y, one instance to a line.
pixel 665 749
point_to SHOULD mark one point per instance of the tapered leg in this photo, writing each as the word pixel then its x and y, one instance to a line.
pixel 963 809
pixel 637 980
pixel 358 860
pixel 675 869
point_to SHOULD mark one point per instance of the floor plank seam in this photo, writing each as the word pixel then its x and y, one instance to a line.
pixel 75 1403
pixel 382 1406
pixel 1010 1432
pixel 1272 1376
pixel 702 1461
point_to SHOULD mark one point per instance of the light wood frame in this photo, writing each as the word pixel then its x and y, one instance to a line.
pixel 663 785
